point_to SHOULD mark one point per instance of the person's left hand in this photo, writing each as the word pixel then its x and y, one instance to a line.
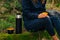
pixel 43 15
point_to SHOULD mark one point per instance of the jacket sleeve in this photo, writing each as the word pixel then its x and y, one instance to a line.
pixel 31 15
pixel 27 10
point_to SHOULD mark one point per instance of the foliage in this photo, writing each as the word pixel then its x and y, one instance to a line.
pixel 9 1
pixel 18 5
pixel 5 23
pixel 23 36
pixel 7 5
pixel 58 5
pixel 0 0
pixel 11 18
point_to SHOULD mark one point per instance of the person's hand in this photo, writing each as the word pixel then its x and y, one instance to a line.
pixel 43 15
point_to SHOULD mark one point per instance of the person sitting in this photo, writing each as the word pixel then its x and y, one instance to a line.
pixel 36 18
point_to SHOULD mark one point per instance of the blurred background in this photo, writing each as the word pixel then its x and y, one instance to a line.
pixel 8 10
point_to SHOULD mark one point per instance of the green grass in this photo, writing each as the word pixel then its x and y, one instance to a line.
pixel 23 36
pixel 10 20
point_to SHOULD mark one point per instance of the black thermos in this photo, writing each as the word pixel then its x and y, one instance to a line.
pixel 18 23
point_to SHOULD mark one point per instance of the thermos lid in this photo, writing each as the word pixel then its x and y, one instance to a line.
pixel 18 16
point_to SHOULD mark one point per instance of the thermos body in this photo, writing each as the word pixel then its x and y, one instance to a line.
pixel 18 24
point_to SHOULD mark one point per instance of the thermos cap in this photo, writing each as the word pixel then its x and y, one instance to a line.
pixel 18 16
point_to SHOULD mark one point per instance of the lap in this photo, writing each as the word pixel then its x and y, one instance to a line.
pixel 55 21
pixel 37 24
pixel 54 18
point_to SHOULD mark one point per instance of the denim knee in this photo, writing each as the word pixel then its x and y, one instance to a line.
pixel 49 26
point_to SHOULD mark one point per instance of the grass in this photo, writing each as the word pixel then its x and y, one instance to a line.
pixel 10 20
pixel 23 36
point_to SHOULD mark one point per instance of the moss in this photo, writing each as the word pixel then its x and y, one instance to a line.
pixel 23 36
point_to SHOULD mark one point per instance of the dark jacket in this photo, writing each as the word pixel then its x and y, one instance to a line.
pixel 31 10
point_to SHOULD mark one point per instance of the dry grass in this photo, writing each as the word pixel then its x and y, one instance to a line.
pixel 49 6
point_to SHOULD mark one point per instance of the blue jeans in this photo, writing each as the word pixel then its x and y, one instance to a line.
pixel 41 24
pixel 56 23
pixel 44 24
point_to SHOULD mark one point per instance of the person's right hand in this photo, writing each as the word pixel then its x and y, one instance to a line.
pixel 43 15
